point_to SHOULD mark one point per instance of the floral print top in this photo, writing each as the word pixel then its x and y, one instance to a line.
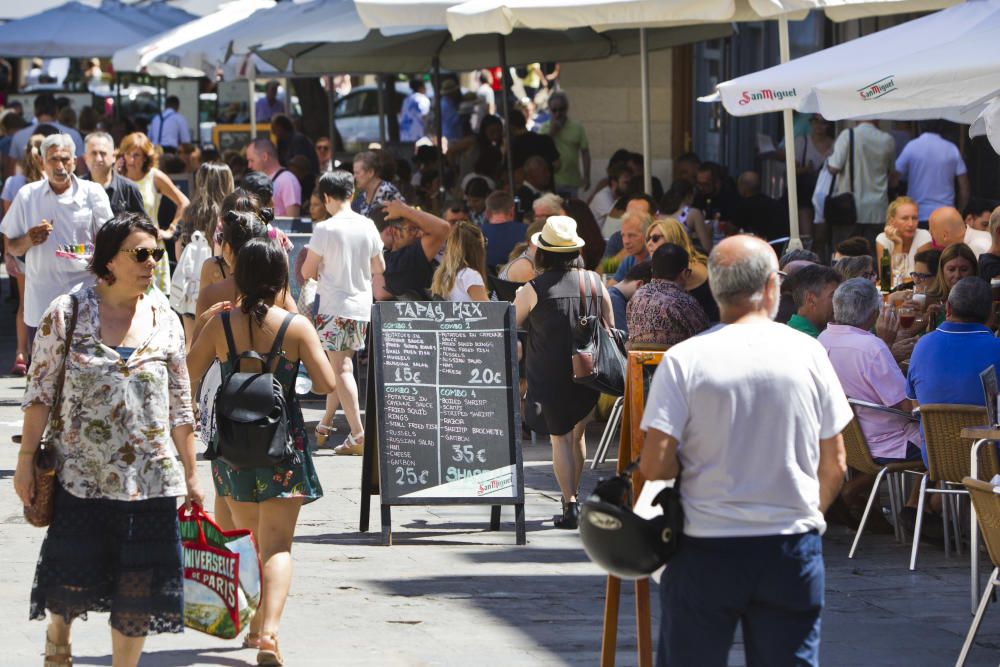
pixel 117 415
pixel 386 191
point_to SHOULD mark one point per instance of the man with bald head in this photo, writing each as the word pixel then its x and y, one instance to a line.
pixel 755 212
pixel 752 413
pixel 947 227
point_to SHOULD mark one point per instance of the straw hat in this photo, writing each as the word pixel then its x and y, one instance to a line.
pixel 558 235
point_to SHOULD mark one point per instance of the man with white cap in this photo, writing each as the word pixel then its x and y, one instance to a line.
pixel 549 307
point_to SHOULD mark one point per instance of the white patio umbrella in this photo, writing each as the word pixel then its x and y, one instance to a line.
pixel 335 37
pixel 502 16
pixel 184 45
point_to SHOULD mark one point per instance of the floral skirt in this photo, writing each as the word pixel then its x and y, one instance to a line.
pixel 339 334
pixel 255 485
pixel 122 557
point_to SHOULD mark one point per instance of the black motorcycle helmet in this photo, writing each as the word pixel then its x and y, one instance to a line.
pixel 621 542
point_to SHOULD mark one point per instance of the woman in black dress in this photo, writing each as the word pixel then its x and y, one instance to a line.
pixel 549 307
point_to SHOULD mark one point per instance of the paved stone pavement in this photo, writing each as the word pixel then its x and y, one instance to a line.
pixel 449 592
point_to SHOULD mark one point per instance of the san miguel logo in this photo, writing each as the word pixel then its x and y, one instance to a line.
pixel 880 88
pixel 749 96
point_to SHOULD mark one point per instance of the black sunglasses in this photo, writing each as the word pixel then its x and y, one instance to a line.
pixel 140 255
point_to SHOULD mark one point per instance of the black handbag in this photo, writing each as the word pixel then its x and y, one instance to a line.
pixel 842 210
pixel 599 356
pixel 252 411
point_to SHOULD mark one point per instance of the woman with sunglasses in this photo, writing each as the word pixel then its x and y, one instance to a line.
pixel 670 230
pixel 125 451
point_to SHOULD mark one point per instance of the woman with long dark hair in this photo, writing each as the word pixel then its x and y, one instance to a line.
pixel 267 500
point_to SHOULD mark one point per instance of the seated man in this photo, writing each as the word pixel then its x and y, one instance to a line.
pixel 868 372
pixel 662 312
pixel 501 231
pixel 812 291
pixel 622 293
pixel 946 363
pixel 412 238
pixel 633 234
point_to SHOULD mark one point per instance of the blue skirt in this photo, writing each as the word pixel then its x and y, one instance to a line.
pixel 122 557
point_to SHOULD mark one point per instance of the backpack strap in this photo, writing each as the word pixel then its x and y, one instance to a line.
pixel 280 338
pixel 230 343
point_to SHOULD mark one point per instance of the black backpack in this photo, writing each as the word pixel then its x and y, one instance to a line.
pixel 252 411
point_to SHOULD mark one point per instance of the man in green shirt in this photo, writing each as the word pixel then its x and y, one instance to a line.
pixel 571 142
pixel 812 291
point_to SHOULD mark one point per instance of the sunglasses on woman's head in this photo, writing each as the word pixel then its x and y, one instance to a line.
pixel 140 255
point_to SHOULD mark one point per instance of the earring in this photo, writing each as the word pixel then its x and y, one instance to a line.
pixel 110 279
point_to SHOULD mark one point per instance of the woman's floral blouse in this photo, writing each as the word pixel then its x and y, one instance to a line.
pixel 117 416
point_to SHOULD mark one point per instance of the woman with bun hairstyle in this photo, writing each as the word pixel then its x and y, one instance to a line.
pixel 266 500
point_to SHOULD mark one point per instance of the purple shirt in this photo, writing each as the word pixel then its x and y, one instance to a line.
pixel 868 372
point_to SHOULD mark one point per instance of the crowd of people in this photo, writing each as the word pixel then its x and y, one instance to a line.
pixel 165 290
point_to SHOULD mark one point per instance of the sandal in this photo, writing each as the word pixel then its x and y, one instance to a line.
pixel 57 655
pixel 353 445
pixel 251 640
pixel 269 654
pixel 19 369
pixel 323 432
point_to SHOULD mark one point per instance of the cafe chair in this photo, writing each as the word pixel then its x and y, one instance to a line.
pixel 610 431
pixel 987 505
pixel 859 457
pixel 949 458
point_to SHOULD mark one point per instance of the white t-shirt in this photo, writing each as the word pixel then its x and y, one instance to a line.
pixel 58 266
pixel 346 242
pixel 921 238
pixel 465 279
pixel 748 404
pixel 978 240
pixel 874 158
pixel 601 204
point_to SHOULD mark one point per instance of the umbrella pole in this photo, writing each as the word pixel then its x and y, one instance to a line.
pixel 438 124
pixel 647 158
pixel 253 102
pixel 381 110
pixel 332 97
pixel 786 116
pixel 505 99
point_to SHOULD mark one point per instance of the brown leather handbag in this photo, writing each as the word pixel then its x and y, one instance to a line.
pixel 39 512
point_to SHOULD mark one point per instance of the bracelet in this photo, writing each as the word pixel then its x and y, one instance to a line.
pixel 26 453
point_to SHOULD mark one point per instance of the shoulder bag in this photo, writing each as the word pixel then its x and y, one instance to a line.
pixel 842 210
pixel 43 463
pixel 599 356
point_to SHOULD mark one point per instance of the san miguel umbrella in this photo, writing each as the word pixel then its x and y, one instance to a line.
pixel 943 65
pixel 479 16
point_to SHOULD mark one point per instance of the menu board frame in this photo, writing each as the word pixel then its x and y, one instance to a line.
pixel 378 466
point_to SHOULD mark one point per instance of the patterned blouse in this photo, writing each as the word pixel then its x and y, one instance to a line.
pixel 386 191
pixel 117 415
pixel 662 313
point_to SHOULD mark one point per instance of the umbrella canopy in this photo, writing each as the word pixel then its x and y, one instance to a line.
pixel 71 30
pixel 152 19
pixel 320 48
pixel 190 45
pixel 944 65
pixel 503 16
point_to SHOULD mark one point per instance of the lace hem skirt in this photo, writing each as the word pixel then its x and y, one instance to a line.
pixel 122 557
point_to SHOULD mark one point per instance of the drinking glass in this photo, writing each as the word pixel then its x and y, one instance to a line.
pixel 899 268
pixel 907 315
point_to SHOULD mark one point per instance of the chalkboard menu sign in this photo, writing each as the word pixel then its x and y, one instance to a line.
pixel 443 400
